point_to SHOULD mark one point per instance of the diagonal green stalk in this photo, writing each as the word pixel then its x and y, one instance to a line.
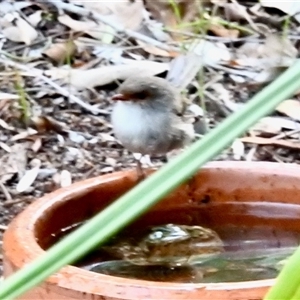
pixel 287 285
pixel 176 10
pixel 139 199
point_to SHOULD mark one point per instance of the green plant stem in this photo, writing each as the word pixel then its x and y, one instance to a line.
pixel 205 23
pixel 23 103
pixel 296 296
pixel 176 9
pixel 140 198
pixel 286 27
pixel 287 284
pixel 234 26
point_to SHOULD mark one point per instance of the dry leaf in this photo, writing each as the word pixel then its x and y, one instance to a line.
pixel 220 30
pixel 4 125
pixel 254 77
pixel 289 7
pixel 92 28
pixel 272 142
pixel 219 2
pixel 276 51
pixel 61 52
pixel 280 46
pixel 196 110
pixel 29 177
pixel 111 161
pixel 290 108
pixel 76 25
pixel 226 97
pixel 37 144
pixel 238 149
pixel 46 124
pixel 6 7
pixel 163 11
pixel 17 29
pixel 108 74
pixel 265 127
pixel 235 11
pixel 272 126
pixel 152 28
pixel 266 61
pixel 210 53
pixel 5 96
pixel 183 69
pixel 5 147
pixel 65 178
pixel 13 162
pixel 27 32
pixel 76 137
pixel 155 50
pixel 24 135
pixel 105 137
pixel 126 12
pixel 36 18
pixel 12 33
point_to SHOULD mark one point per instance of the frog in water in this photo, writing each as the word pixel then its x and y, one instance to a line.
pixel 170 245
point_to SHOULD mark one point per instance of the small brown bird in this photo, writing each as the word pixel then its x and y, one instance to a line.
pixel 148 116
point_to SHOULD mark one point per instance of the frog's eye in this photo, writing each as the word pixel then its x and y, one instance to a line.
pixel 156 235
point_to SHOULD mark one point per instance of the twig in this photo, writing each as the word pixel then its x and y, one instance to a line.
pixel 119 28
pixel 12 202
pixel 40 41
pixel 285 134
pixel 251 38
pixel 274 155
pixel 5 191
pixel 246 16
pixel 251 153
pixel 61 90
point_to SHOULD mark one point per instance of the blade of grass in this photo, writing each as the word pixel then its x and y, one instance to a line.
pixel 296 295
pixel 139 199
pixel 287 285
pixel 176 9
pixel 23 103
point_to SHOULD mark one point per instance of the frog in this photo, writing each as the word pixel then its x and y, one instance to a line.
pixel 167 245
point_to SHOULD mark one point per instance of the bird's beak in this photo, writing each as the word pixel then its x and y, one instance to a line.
pixel 120 97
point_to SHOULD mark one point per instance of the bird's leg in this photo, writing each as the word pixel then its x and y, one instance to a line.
pixel 140 171
pixel 146 160
pixel 139 166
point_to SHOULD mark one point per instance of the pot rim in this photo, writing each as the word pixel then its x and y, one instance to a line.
pixel 70 277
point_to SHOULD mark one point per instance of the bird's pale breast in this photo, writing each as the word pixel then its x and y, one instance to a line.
pixel 141 130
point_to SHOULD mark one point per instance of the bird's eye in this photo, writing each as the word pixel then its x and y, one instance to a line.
pixel 141 95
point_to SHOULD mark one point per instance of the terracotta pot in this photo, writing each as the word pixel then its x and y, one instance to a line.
pixel 222 193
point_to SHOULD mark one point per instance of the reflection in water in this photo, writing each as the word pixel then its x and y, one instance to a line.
pixel 192 254
pixel 162 273
pixel 263 264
